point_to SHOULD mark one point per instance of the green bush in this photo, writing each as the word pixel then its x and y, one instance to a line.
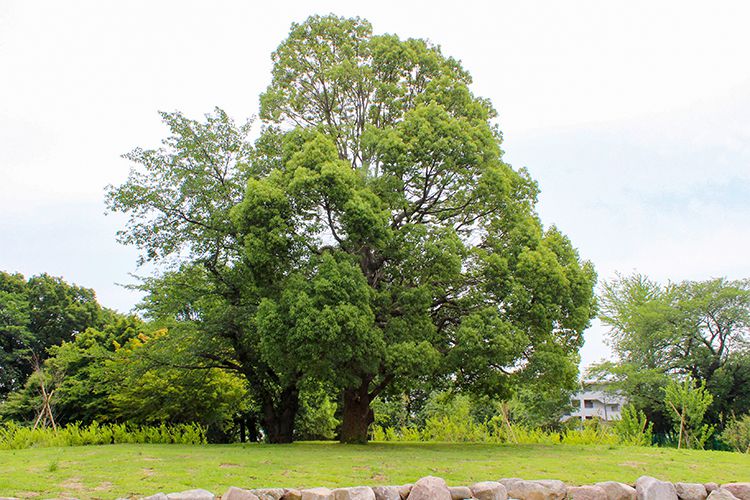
pixel 633 427
pixel 737 434
pixel 593 431
pixel 14 436
pixel 496 430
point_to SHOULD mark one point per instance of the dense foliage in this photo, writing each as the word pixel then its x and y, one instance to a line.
pixel 367 266
pixel 13 437
pixel 372 238
pixel 35 315
pixel 689 339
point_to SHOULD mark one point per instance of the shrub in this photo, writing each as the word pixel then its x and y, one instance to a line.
pixel 633 428
pixel 14 436
pixel 687 402
pixel 737 434
pixel 593 432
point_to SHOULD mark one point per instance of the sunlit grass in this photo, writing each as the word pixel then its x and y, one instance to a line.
pixel 130 469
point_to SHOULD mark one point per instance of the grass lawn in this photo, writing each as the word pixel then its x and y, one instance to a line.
pixel 130 470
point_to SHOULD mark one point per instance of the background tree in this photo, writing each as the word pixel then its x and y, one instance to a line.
pixel 152 381
pixel 15 338
pixel 695 329
pixel 76 371
pixel 36 315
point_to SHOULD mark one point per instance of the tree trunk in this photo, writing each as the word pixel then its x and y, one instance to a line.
pixel 278 416
pixel 252 428
pixel 357 415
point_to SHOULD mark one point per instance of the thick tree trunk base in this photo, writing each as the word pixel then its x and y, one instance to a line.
pixel 278 417
pixel 357 415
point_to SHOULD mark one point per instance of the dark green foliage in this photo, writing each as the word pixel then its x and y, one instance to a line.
pixel 389 162
pixel 737 434
pixel 36 315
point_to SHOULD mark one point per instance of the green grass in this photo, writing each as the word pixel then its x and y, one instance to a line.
pixel 142 469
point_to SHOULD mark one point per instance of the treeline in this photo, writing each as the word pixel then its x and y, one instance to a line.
pixel 102 367
pixel 97 364
pixel 135 376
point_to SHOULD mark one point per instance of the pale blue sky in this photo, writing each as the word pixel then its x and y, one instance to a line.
pixel 633 116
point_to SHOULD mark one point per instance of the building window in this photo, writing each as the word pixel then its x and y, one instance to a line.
pixel 615 407
pixel 588 403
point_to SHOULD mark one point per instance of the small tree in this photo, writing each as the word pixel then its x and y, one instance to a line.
pixel 633 428
pixel 686 404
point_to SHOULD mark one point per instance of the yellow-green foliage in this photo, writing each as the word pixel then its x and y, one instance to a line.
pixel 14 436
pixel 590 434
pixel 451 430
pixel 633 428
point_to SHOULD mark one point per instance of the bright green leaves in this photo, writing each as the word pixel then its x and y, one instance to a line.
pixel 322 325
pixel 542 284
pixel 433 161
pixel 178 197
pixel 264 217
pixel 317 198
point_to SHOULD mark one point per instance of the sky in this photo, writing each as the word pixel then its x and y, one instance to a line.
pixel 633 117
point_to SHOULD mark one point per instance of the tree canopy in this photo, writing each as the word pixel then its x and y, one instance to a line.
pixel 696 329
pixel 370 238
pixel 36 315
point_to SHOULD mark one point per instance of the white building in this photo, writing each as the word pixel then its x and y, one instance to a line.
pixel 593 401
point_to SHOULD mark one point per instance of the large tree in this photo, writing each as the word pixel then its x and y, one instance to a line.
pixel 372 237
pixel 400 243
pixel 179 200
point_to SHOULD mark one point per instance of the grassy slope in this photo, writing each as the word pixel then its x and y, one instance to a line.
pixel 124 470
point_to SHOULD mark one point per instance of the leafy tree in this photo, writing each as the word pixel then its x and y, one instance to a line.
pixel 15 338
pixel 36 315
pixel 538 407
pixel 379 240
pixel 737 434
pixel 76 372
pixel 394 228
pixel 696 329
pixel 146 388
pixel 686 404
pixel 633 427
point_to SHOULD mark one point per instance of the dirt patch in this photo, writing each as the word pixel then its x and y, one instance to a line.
pixel 29 494
pixel 151 459
pixel 74 483
pixel 147 472
pixel 634 465
pixel 105 486
pixel 229 466
pixel 379 478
